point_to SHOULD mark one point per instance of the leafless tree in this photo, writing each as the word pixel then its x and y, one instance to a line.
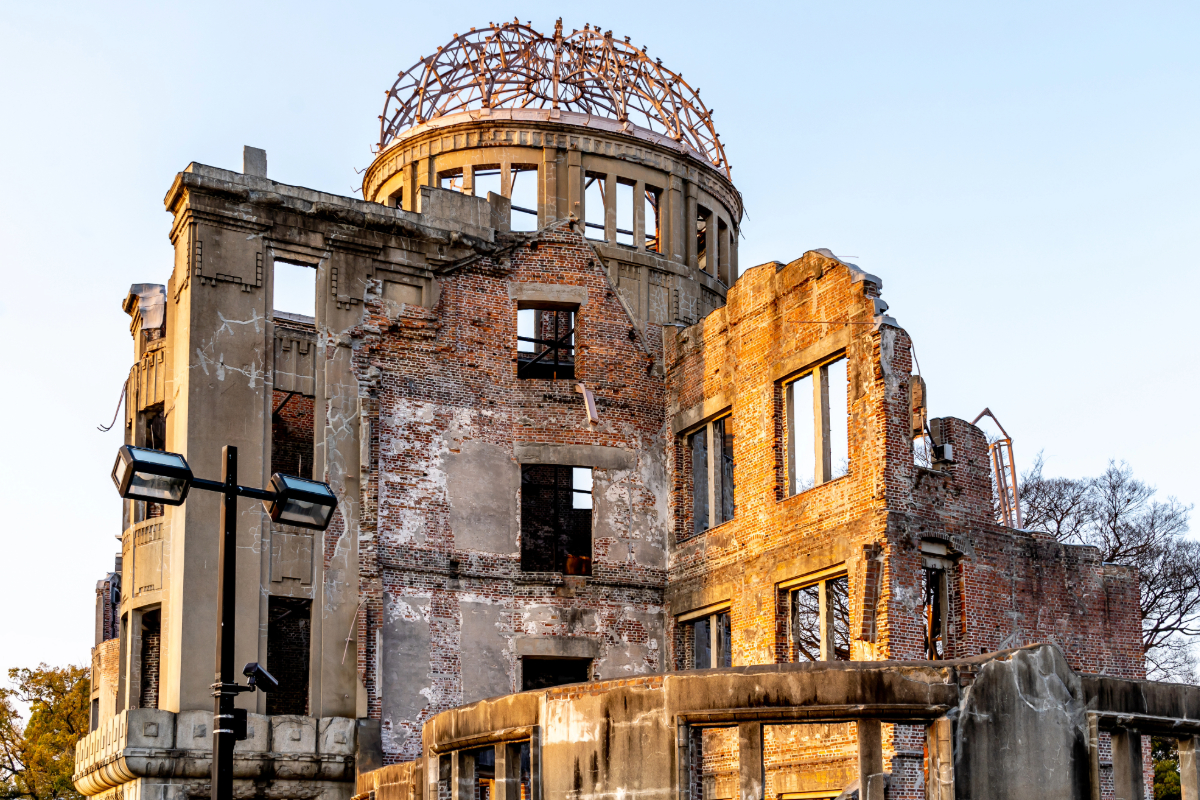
pixel 1117 514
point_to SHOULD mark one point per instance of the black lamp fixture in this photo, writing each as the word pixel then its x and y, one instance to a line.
pixel 143 474
pixel 156 476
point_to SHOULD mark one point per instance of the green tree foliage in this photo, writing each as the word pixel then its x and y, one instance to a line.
pixel 1165 753
pixel 38 757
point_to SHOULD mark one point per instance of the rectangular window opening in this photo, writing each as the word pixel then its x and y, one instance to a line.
pixel 624 201
pixel 933 590
pixel 288 632
pixel 517 769
pixel 484 761
pixel 707 642
pixel 711 451
pixel 817 407
pixel 451 179
pixel 819 621
pixel 723 245
pixel 651 221
pixel 524 197
pixel 556 519
pixel 543 673
pixel 292 433
pixel 486 178
pixel 295 289
pixel 545 343
pixel 151 658
pixel 594 205
pixel 703 231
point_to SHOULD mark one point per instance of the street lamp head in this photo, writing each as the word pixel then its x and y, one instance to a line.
pixel 143 474
pixel 300 502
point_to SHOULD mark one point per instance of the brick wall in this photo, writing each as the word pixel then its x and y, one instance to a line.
pixel 292 434
pixel 438 382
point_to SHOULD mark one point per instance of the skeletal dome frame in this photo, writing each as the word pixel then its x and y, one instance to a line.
pixel 511 65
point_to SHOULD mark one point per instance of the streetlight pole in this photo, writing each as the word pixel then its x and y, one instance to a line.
pixel 157 476
pixel 224 691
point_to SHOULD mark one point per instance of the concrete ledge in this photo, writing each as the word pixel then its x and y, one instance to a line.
pixel 547 294
pixel 700 413
pixel 558 646
pixel 811 355
pixel 575 455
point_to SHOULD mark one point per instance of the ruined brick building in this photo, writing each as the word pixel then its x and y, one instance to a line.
pixel 569 448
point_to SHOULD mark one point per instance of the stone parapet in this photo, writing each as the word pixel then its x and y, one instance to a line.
pixel 150 743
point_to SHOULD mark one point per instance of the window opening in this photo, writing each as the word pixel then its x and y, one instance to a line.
pixel 517 768
pixel 295 289
pixel 151 653
pixel 819 621
pixel 556 519
pixel 650 220
pixel 542 673
pixel 594 197
pixel 723 245
pixel 288 632
pixel 624 203
pixel 95 718
pixel 703 231
pixel 451 179
pixel 292 433
pixel 396 199
pixel 818 419
pixel 545 343
pixel 709 641
pixel 524 198
pixel 711 450
pixel 486 179
pixel 934 593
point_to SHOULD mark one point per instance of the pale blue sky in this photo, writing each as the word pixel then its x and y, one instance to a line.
pixel 1023 176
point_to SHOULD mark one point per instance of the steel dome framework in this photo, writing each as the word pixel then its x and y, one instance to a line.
pixel 511 65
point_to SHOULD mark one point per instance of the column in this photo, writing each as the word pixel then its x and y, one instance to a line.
pixel 1094 755
pixel 870 759
pixel 750 761
pixel 639 216
pixel 535 764
pixel 548 187
pixel 1189 768
pixel 689 224
pixel 671 220
pixel 462 775
pixel 939 740
pixel 827 624
pixel 507 786
pixel 1127 765
pixel 714 245
pixel 506 179
pixel 575 185
pixel 610 208
pixel 822 451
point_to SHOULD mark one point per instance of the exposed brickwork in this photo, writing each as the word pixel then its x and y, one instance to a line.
pixel 438 381
pixel 288 642
pixel 151 651
pixel 292 434
pixel 1006 588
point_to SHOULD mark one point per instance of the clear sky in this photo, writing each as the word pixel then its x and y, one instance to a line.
pixel 1023 176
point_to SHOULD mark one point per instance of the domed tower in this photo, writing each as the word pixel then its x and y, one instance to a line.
pixel 580 127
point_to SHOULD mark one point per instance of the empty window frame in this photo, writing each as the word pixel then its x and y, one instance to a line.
pixel 292 437
pixel 651 220
pixel 523 195
pixel 624 209
pixel 151 658
pixel 818 620
pixel 935 606
pixel 595 205
pixel 704 236
pixel 706 641
pixel 294 288
pixel 711 454
pixel 818 419
pixel 546 343
pixel 542 673
pixel 723 247
pixel 556 519
pixel 451 179
pixel 487 178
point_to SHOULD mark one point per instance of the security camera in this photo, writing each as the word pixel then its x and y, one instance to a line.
pixel 259 678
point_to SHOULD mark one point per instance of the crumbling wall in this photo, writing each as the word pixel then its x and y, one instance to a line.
pixel 450 426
